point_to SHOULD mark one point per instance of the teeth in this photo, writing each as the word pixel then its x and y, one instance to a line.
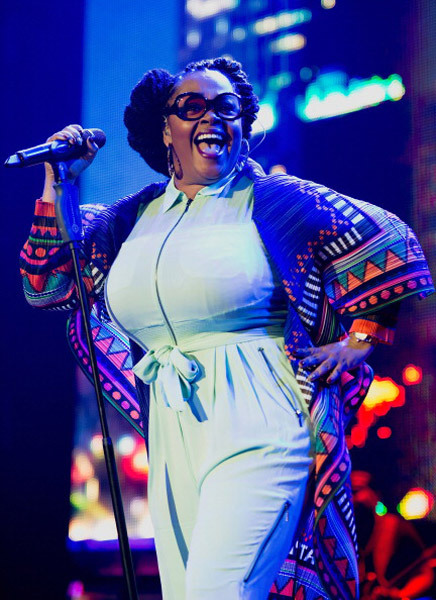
pixel 209 136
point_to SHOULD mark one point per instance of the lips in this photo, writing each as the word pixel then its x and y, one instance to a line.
pixel 211 144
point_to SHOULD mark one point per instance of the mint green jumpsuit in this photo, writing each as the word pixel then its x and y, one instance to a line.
pixel 230 445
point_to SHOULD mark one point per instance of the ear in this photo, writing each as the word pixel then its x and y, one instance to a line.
pixel 166 134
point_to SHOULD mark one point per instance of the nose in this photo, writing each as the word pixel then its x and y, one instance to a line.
pixel 210 116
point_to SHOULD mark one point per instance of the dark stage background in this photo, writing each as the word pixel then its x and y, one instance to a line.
pixel 66 62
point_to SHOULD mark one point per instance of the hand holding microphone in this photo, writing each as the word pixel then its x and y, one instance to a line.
pixel 75 146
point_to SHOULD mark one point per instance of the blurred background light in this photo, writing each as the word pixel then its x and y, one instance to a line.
pixel 135 465
pixel 204 9
pixel 78 500
pixel 82 469
pixel 416 504
pixel 383 395
pixel 330 96
pixel 76 590
pixel 282 20
pixel 278 169
pixel 266 118
pixel 328 3
pixel 96 445
pixel 78 529
pixel 137 507
pixel 126 445
pixel 280 81
pixel 288 43
pixel 384 390
pixel 92 489
pixel 380 509
pixel 306 74
pixel 222 26
pixel 239 34
pixel 105 529
pixel 384 432
pixel 140 462
pixel 412 375
pixel 193 38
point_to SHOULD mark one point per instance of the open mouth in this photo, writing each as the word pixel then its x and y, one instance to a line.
pixel 211 145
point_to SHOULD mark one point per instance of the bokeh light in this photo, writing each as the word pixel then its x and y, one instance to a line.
pixel 416 504
pixel 412 375
pixel 126 445
pixel 384 433
pixel 82 468
pixel 96 445
pixel 380 509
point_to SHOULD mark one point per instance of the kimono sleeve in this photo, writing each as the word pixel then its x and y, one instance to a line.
pixel 46 265
pixel 376 263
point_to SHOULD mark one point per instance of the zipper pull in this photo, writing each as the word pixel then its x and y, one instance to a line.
pixel 300 416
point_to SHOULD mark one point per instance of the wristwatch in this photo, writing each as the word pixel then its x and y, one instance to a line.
pixel 364 337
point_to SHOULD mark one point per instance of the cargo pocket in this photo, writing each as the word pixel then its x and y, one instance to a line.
pixel 262 555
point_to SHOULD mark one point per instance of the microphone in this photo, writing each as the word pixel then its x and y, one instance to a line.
pixel 56 151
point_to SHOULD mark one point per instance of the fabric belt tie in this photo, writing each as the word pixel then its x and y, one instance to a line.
pixel 172 371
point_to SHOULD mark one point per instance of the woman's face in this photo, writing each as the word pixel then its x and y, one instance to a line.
pixel 203 163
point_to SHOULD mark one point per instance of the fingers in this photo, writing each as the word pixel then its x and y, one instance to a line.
pixel 92 148
pixel 330 361
pixel 301 352
pixel 71 133
pixel 323 369
pixel 319 359
pixel 326 362
pixel 75 134
pixel 336 373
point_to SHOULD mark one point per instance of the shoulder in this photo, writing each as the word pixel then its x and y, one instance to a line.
pixel 124 210
pixel 290 187
pixel 108 226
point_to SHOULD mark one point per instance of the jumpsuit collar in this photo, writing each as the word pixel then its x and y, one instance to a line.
pixel 172 194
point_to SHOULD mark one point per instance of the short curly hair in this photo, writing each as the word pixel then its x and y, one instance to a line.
pixel 144 116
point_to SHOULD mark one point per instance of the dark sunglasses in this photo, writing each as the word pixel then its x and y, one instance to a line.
pixel 191 106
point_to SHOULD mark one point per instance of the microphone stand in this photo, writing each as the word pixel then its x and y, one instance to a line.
pixel 70 226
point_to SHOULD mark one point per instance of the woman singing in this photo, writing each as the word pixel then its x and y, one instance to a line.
pixel 230 285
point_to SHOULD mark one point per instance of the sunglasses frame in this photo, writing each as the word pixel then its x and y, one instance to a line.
pixel 175 109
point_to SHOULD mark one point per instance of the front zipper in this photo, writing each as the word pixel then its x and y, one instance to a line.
pixel 281 385
pixel 283 514
pixel 164 314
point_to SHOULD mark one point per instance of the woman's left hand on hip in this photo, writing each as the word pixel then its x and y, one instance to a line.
pixel 330 361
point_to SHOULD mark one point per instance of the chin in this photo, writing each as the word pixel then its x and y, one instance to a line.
pixel 216 171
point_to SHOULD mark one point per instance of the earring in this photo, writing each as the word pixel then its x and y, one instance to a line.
pixel 243 156
pixel 170 161
pixel 178 173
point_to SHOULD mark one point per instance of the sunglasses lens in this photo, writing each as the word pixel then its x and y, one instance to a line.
pixel 193 108
pixel 228 106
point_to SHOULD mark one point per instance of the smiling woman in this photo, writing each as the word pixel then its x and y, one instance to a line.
pixel 207 148
pixel 221 277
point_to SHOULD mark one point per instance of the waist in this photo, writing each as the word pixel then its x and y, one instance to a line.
pixel 207 340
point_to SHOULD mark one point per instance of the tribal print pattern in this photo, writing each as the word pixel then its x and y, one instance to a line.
pixel 336 256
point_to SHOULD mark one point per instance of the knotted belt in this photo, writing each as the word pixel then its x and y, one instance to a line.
pixel 172 371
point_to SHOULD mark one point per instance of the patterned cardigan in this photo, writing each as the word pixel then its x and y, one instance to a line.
pixel 336 256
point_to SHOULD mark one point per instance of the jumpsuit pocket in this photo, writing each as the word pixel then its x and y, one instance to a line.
pixel 280 522
pixel 282 387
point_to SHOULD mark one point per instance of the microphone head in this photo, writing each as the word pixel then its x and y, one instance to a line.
pixel 99 136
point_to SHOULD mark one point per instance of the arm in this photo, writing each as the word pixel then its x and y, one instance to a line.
pixel 46 265
pixel 45 261
pixel 369 283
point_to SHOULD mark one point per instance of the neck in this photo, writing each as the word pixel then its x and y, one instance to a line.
pixel 190 189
